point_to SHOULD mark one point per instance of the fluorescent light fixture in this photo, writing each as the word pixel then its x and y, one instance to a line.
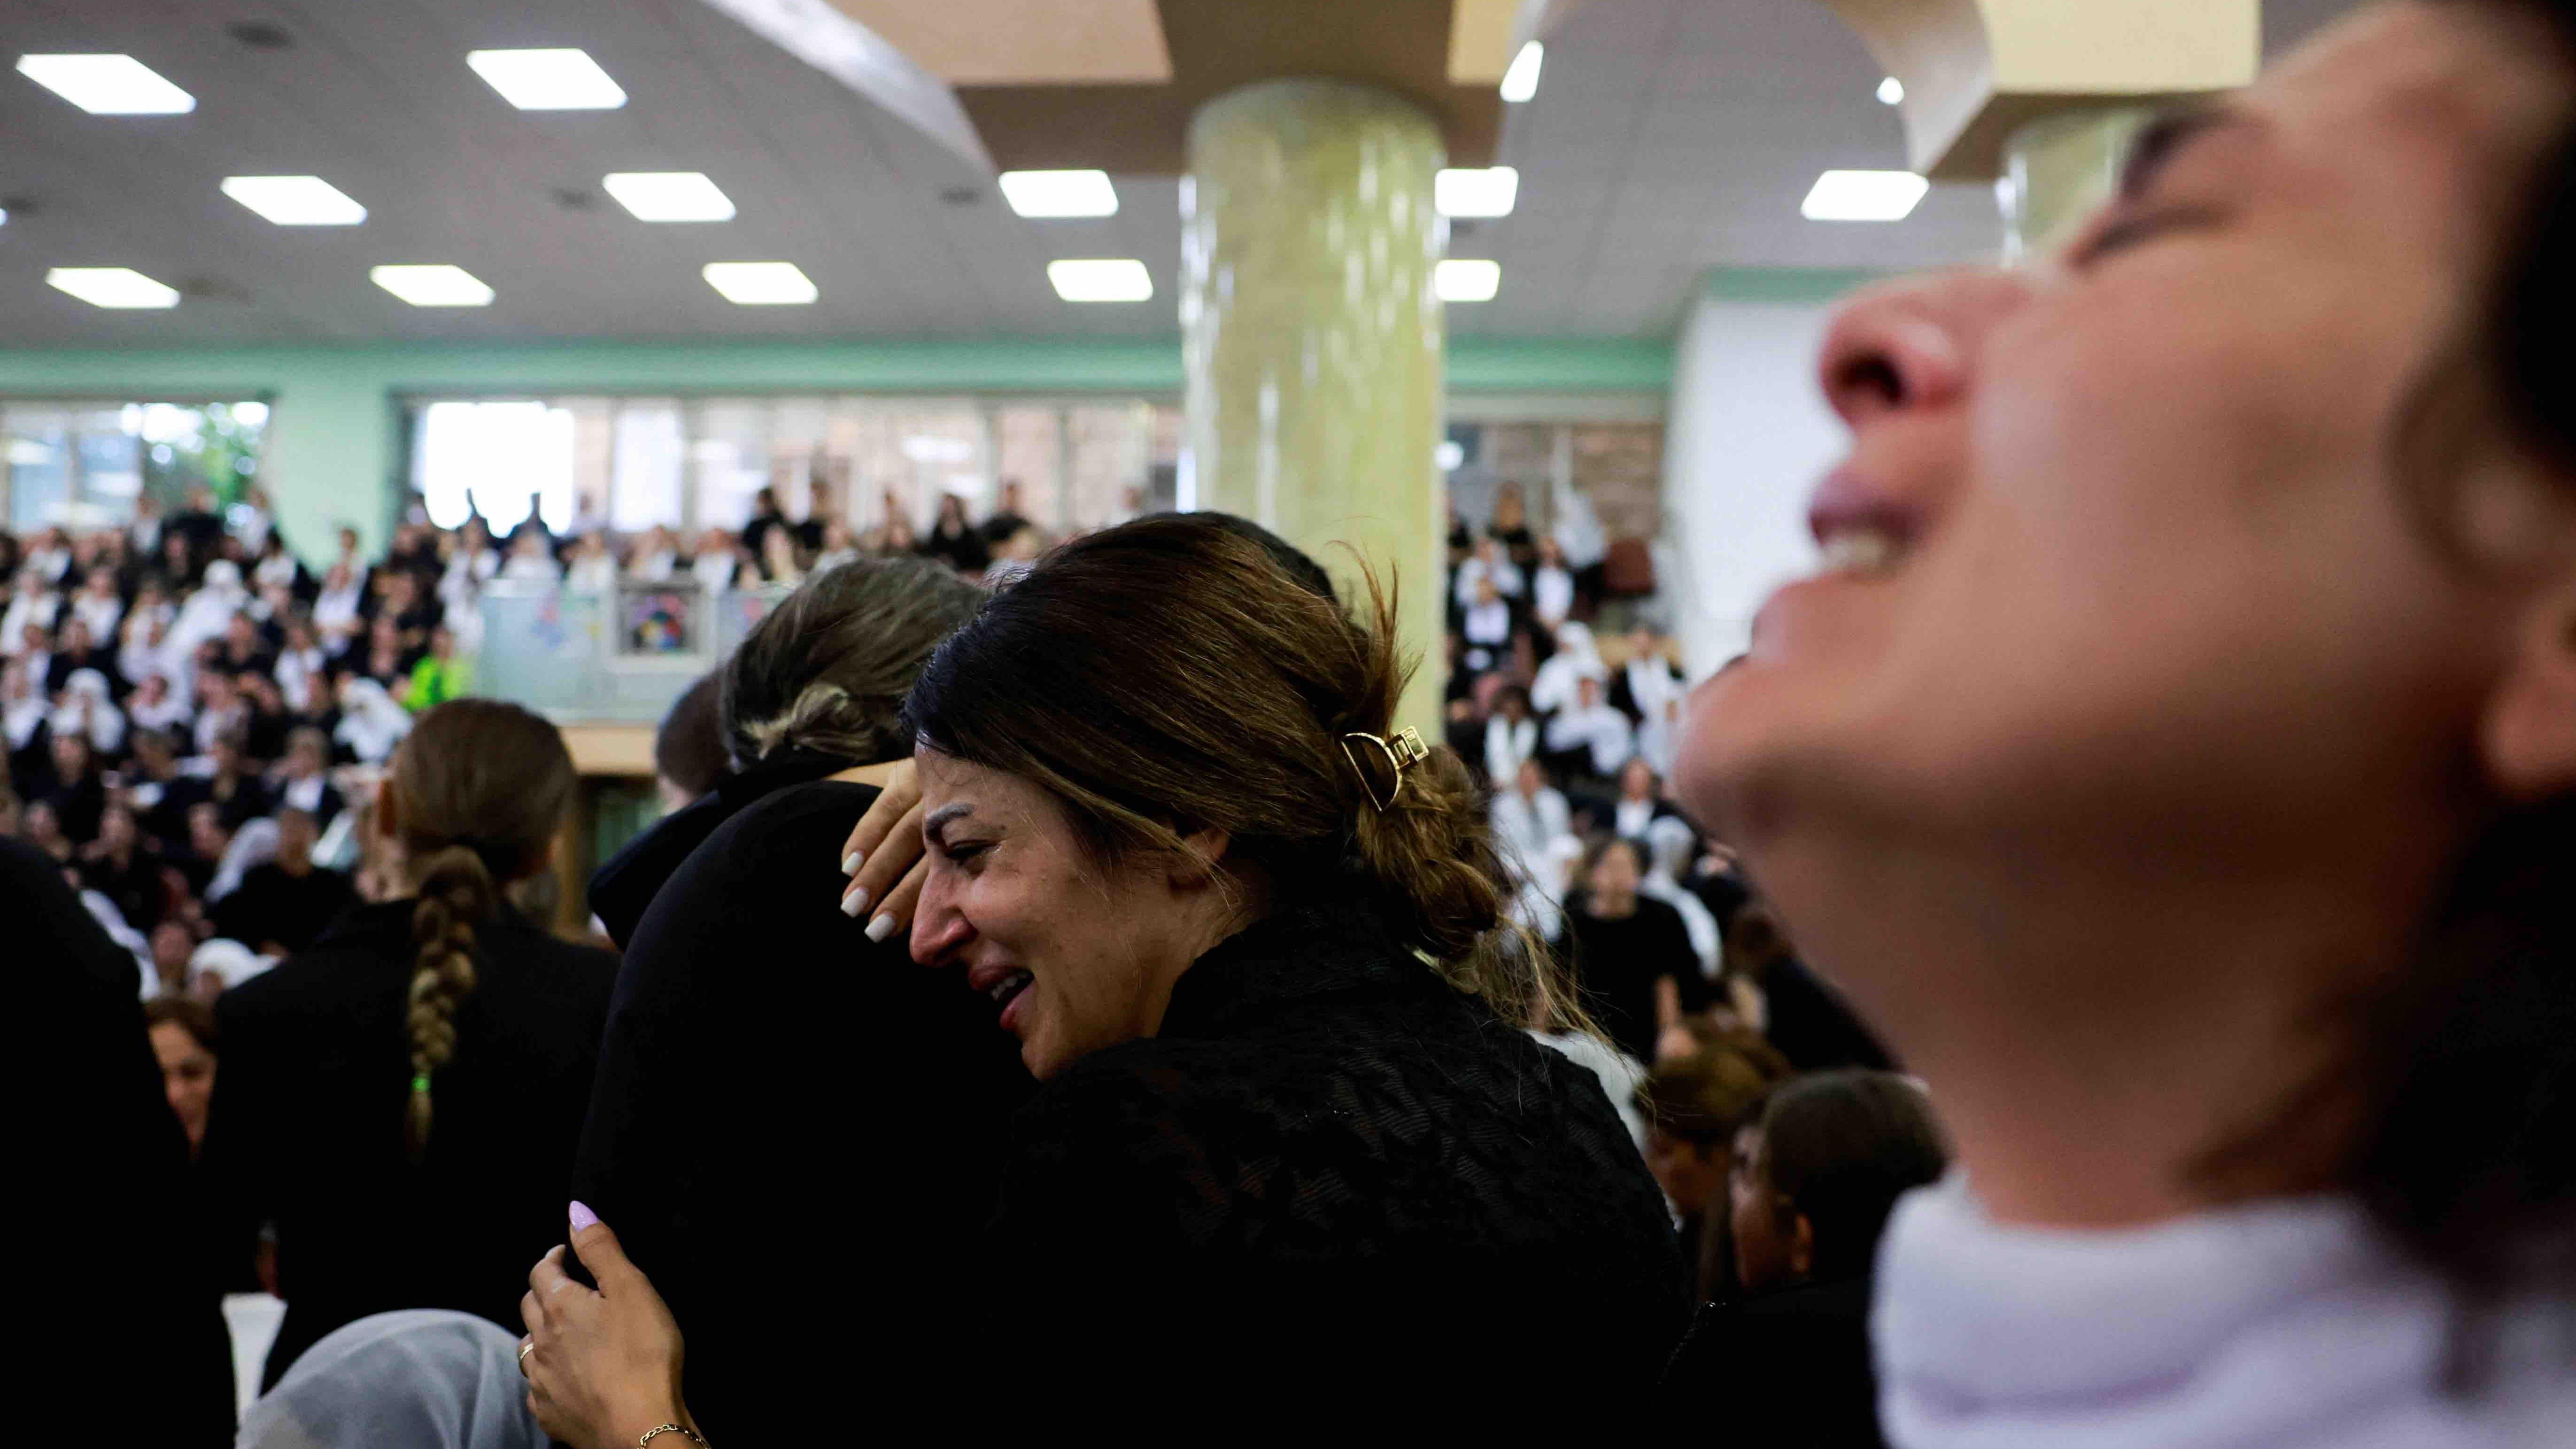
pixel 1864 196
pixel 111 287
pixel 1464 280
pixel 1101 279
pixel 1489 192
pixel 669 195
pixel 107 85
pixel 547 80
pixel 433 286
pixel 1060 193
pixel 761 284
pixel 295 200
pixel 1520 82
pixel 1891 92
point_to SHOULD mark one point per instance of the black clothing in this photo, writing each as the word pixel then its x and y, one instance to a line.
pixel 77 805
pixel 964 550
pixel 1332 1178
pixel 307 1124
pixel 1618 961
pixel 1791 1367
pixel 1810 1024
pixel 134 887
pixel 767 1065
pixel 237 801
pixel 291 910
pixel 1001 528
pixel 129 1329
pixel 622 889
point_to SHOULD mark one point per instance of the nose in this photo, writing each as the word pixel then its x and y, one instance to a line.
pixel 1911 345
pixel 939 928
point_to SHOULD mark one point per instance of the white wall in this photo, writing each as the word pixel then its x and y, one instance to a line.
pixel 1748 436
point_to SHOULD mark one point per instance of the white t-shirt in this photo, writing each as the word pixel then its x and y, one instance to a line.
pixel 2288 1324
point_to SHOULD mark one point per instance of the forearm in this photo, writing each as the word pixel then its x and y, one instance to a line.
pixel 1668 1003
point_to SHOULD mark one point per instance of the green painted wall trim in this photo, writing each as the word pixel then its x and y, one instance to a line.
pixel 1795 286
pixel 334 438
pixel 1022 365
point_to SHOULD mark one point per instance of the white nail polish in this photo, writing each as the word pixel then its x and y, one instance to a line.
pixel 853 903
pixel 851 862
pixel 880 928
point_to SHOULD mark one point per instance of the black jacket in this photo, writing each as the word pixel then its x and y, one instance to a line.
pixel 127 1333
pixel 307 1124
pixel 796 1132
pixel 1333 1180
pixel 1791 1367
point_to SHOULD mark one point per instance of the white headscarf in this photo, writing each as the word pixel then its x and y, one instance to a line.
pixel 421 1378
pixel 1575 657
pixel 208 610
pixel 371 723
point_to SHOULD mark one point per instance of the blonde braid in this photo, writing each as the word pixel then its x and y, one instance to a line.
pixel 456 891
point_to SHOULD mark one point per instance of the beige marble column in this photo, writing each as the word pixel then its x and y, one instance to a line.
pixel 1311 337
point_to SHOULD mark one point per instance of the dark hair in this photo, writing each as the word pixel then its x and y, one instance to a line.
pixel 186 1013
pixel 1702 1098
pixel 1840 1148
pixel 480 788
pixel 689 747
pixel 829 668
pixel 2467 1151
pixel 1172 674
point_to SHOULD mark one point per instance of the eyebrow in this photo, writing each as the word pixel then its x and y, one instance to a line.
pixel 2168 136
pixel 938 819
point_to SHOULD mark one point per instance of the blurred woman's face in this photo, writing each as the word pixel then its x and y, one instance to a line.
pixel 2127 568
pixel 1078 957
pixel 1764 1232
pixel 187 1077
pixel 1615 875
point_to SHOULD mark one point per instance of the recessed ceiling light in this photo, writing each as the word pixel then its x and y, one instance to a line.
pixel 433 286
pixel 111 287
pixel 1060 193
pixel 547 80
pixel 295 200
pixel 1101 279
pixel 1864 196
pixel 1467 280
pixel 1465 192
pixel 1891 92
pixel 107 85
pixel 761 284
pixel 669 195
pixel 1520 82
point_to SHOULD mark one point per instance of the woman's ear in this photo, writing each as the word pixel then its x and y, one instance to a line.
pixel 1802 1245
pixel 1196 866
pixel 388 809
pixel 2528 736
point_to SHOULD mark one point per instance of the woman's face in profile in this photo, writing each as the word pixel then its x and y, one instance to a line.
pixel 2128 564
pixel 1075 956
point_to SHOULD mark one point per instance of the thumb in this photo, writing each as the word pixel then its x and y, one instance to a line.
pixel 597 1247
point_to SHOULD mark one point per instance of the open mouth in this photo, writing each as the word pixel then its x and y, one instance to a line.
pixel 1863 550
pixel 1004 991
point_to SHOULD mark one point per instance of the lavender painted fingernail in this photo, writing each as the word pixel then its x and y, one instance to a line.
pixel 583 1217
pixel 855 902
pixel 851 862
pixel 881 927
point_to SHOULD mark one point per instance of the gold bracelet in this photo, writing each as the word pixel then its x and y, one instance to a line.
pixel 646 1441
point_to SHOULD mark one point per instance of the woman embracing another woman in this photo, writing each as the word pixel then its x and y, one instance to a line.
pixel 1291 1144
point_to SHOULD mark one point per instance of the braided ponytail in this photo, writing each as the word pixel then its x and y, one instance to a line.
pixel 456 892
pixel 476 793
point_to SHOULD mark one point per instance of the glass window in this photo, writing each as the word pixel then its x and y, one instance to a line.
pixel 85 464
pixel 503 460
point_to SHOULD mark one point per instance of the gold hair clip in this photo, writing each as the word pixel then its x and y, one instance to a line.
pixel 1402 752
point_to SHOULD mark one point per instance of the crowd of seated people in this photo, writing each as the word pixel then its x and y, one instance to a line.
pixel 191 709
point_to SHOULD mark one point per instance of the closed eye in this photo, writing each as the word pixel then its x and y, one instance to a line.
pixel 2126 227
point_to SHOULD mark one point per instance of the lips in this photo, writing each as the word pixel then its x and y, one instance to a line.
pixel 1860 530
pixel 1001 984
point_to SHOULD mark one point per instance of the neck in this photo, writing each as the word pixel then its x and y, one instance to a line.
pixel 2094 1032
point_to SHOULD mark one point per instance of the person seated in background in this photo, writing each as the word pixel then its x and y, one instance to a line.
pixel 75 788
pixel 954 541
pixel 1639 804
pixel 1588 737
pixel 441 675
pixel 1008 520
pixel 1530 818
pixel 1693 1105
pixel 1812 1183
pixel 689 762
pixel 1574 659
pixel 304 780
pixel 447 1162
pixel 1511 736
pixel 1487 565
pixel 121 866
pixel 718 565
pixel 531 559
pixel 1805 1017
pixel 283 904
pixel 183 1042
pixel 1671 846
pixel 1647 681
pixel 1551 591
pixel 232 785
pixel 657 558
pixel 737 963
pixel 1486 628
pixel 1630 955
pixel 589 566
